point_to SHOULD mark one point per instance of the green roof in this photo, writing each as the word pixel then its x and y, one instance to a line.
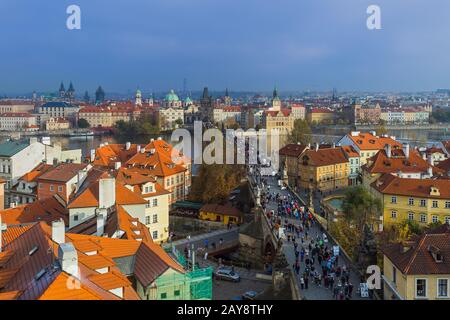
pixel 10 148
pixel 172 96
pixel 188 205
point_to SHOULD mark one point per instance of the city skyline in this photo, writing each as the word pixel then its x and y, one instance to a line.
pixel 298 46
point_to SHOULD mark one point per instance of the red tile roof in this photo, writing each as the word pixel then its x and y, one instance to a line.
pixel 325 157
pixel 390 184
pixel 367 141
pixel 415 257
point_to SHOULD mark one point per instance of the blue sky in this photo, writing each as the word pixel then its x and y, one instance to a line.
pixel 240 44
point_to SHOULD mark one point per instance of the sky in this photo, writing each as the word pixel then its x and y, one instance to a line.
pixel 240 44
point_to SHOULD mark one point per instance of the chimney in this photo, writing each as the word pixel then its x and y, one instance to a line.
pixel 92 155
pixel 406 150
pixel 101 221
pixel 430 172
pixel 58 231
pixel 159 138
pixel 117 165
pixel 374 133
pixel 106 193
pixel 334 145
pixel 12 204
pixel 424 156
pixel 138 148
pixel 309 145
pixel 142 150
pixel 317 147
pixel 430 160
pixel 388 150
pixel 127 145
pixel 68 259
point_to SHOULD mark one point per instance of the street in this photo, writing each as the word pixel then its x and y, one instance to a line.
pixel 314 292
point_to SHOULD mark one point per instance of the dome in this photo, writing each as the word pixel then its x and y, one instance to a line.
pixel 188 100
pixel 172 96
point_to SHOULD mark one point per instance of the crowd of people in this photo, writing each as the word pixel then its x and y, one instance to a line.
pixel 316 262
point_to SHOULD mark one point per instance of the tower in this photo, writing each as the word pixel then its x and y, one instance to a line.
pixel 138 100
pixel 206 106
pixel 227 99
pixel 86 97
pixel 99 95
pixel 276 101
pixel 62 90
pixel 70 92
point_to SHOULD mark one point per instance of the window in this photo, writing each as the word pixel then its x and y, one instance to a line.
pixel 447 220
pixel 423 218
pixel 155 218
pixel 75 217
pixel 52 187
pixel 60 188
pixel 435 204
pixel 148 204
pixel 447 204
pixel 176 293
pixel 442 288
pixel 394 214
pixel 394 275
pixel 40 185
pixel 163 295
pixel 393 199
pixel 147 220
pixel 435 219
pixel 421 288
pixel 411 201
pixel 155 202
pixel 410 216
pixel 155 235
pixel 423 203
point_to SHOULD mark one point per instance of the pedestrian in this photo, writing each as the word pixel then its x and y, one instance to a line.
pixel 350 289
pixel 306 283
pixel 302 283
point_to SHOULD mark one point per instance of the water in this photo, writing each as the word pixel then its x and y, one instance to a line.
pixel 328 135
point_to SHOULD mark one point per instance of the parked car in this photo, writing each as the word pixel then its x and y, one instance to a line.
pixel 250 295
pixel 227 274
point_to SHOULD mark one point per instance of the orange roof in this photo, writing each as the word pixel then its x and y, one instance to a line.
pixel 324 156
pixel 96 261
pixel 159 163
pixel 47 210
pixel 89 197
pixel 10 295
pixel 109 154
pixel 380 163
pixel 110 280
pixel 58 290
pixel 350 151
pixel 390 184
pixel 18 273
pixel 367 141
pixel 39 170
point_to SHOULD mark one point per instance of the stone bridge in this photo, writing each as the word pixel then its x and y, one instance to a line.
pixel 270 244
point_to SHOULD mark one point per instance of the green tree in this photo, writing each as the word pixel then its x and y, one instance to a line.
pixel 301 133
pixel 360 207
pixel 381 130
pixel 83 123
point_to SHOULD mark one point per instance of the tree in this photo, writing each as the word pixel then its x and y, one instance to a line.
pixel 301 133
pixel 381 130
pixel 224 178
pixel 360 207
pixel 83 123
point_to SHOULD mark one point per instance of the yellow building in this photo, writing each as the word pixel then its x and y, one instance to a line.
pixel 423 201
pixel 219 213
pixel 320 115
pixel 57 124
pixel 324 169
pixel 289 160
pixel 418 269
